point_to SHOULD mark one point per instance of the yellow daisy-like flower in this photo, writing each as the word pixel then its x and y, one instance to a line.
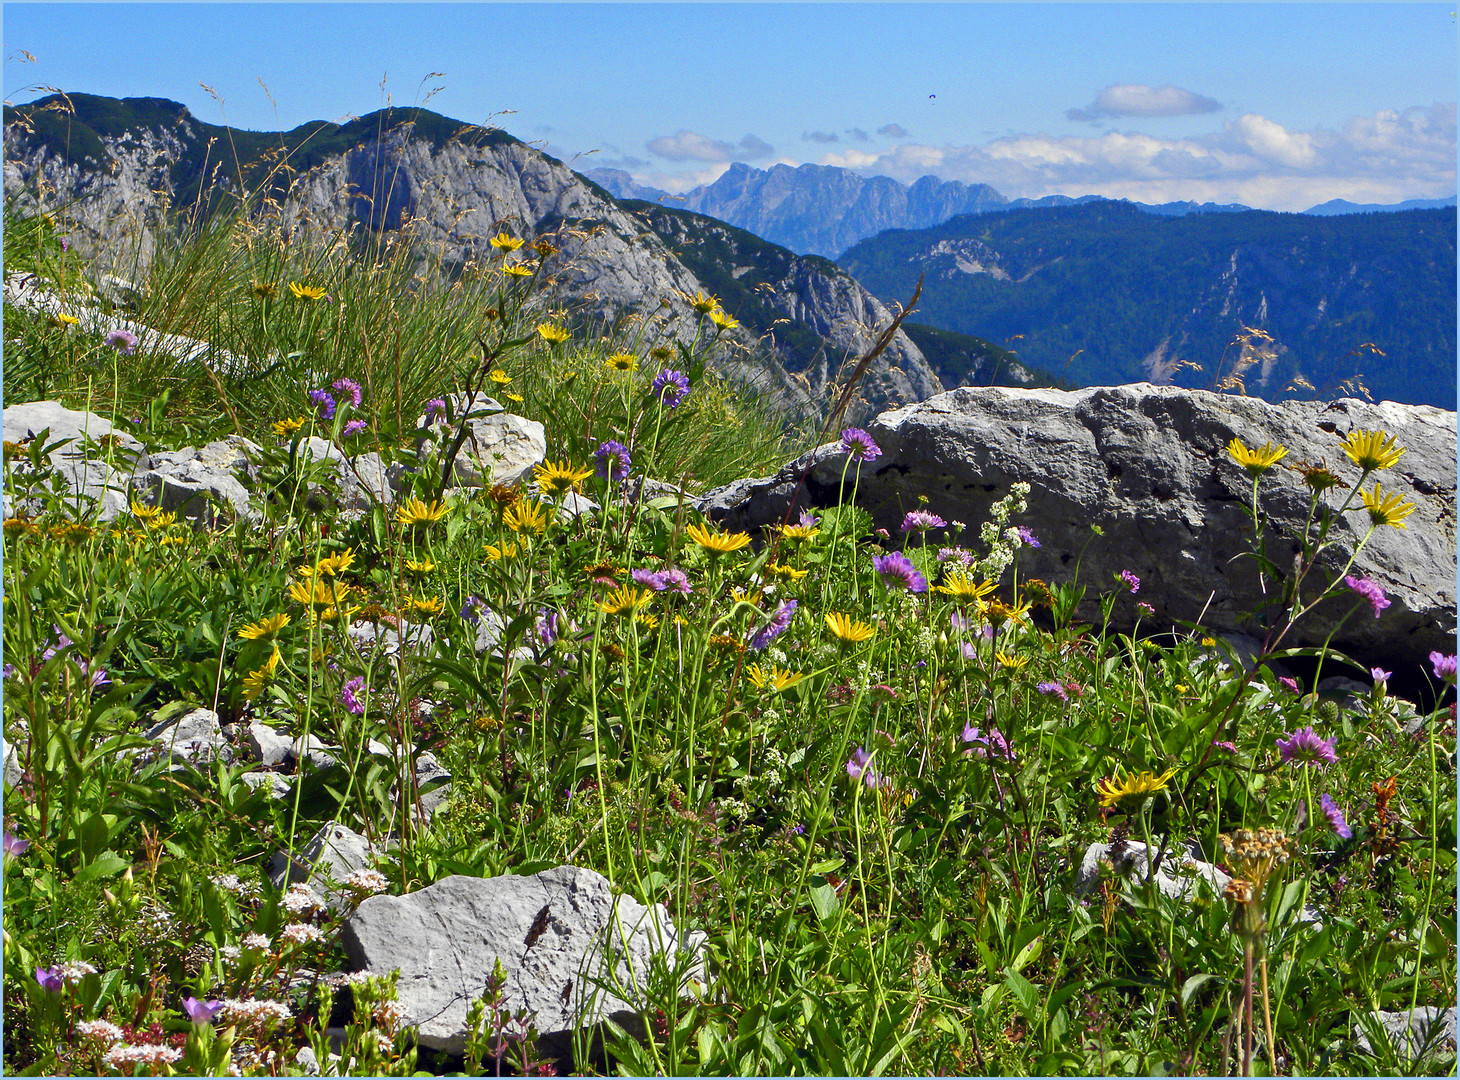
pixel 285 428
pixel 1388 509
pixel 998 612
pixel 622 361
pixel 799 534
pixel 1013 663
pixel 20 526
pixel 500 377
pixel 962 587
pixel 848 629
pixel 702 303
pixel 330 565
pixel 777 679
pixel 556 478
pixel 526 515
pixel 1256 462
pixel 333 613
pixel 717 543
pixel 1112 791
pixel 1318 476
pixel 519 270
pixel 254 682
pixel 266 629
pixel 14 449
pixel 429 605
pixel 172 541
pixel 556 335
pixel 723 321
pixel 73 532
pixel 143 512
pixel 504 243
pixel 790 573
pixel 318 594
pixel 63 320
pixel 647 619
pixel 496 553
pixel 415 512
pixel 306 292
pixel 503 495
pixel 424 566
pixel 623 599
pixel 265 290
pixel 1371 450
pixel 544 249
pixel 161 520
pixel 606 573
pixel 515 397
pixel 745 596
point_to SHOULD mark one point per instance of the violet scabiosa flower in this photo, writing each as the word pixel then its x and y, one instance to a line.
pixel 1144 609
pixel 1370 591
pixel 962 556
pixel 921 521
pixel 325 403
pixel 124 341
pixel 348 696
pixel 776 627
pixel 1130 581
pixel 353 427
pixel 898 572
pixel 1027 536
pixel 670 387
pixel 613 459
pixel 1335 817
pixel 860 445
pixel 434 407
pixel 1444 666
pixel 675 581
pixel 808 520
pixel 1053 689
pixel 649 579
pixel 348 386
pixel 1306 747
pixel 1290 685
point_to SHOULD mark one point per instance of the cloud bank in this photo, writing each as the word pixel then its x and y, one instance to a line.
pixel 1133 99
pixel 689 146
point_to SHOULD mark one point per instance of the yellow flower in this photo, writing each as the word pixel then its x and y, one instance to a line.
pixel 504 243
pixel 544 249
pixel 622 361
pixel 519 270
pixel 525 515
pixel 647 619
pixel 253 683
pixel 161 520
pixel 415 512
pixel 962 587
pixel 717 543
pixel 20 526
pixel 1388 509
pixel 1256 462
pixel 500 377
pixel 285 428
pixel 777 679
pixel 799 533
pixel 330 565
pixel 1112 791
pixel 1013 663
pixel 555 478
pixel 318 594
pixel 998 612
pixel 425 566
pixel 1371 450
pixel 430 605
pixel 143 512
pixel 63 320
pixel 702 303
pixel 723 321
pixel 305 292
pixel 1318 476
pixel 265 290
pixel 266 629
pixel 790 573
pixel 624 598
pixel 172 541
pixel 848 628
pixel 745 596
pixel 495 553
pixel 73 532
pixel 515 397
pixel 554 334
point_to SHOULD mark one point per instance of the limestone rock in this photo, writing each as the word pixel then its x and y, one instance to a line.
pixel 196 738
pixel 499 447
pixel 96 461
pixel 1427 1032
pixel 194 482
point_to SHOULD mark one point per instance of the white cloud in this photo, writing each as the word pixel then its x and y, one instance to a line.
pixel 893 131
pixel 686 145
pixel 1134 99
pixel 820 136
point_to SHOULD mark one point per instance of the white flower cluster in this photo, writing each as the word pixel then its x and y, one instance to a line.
pixel 119 1056
pixel 367 881
pixel 101 1032
pixel 253 1015
pixel 390 1017
pixel 300 934
pixel 245 890
pixel 73 971
pixel 1000 540
pixel 260 942
pixel 301 901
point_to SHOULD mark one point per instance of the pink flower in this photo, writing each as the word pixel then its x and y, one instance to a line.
pixel 1370 591
pixel 1444 666
pixel 1132 582
pixel 898 571
pixel 1306 747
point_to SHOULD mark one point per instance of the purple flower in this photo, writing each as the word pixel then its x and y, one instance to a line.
pixel 860 445
pixel 201 1012
pixel 1380 676
pixel 124 341
pixel 1143 608
pixel 65 243
pixel 921 521
pixel 1132 582
pixel 1053 689
pixel 859 767
pixel 1290 685
pixel 649 579
pixel 991 745
pixel 469 609
pixel 348 699
pixel 548 626
pixel 1306 747
pixel 614 461
pixel 50 979
pixel 8 671
pixel 1335 817
pixel 807 520
pixel 353 427
pixel 670 387
pixel 325 402
pixel 1370 591
pixel 675 581
pixel 962 556
pixel 1027 536
pixel 776 627
pixel 898 571
pixel 433 407
pixel 1231 748
pixel 1444 666
pixel 13 845
pixel 348 386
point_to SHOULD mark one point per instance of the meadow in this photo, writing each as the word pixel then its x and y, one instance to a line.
pixel 868 766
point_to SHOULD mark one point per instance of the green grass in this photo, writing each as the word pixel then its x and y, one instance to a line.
pixel 915 914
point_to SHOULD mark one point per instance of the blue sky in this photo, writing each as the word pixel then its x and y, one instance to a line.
pixel 1278 106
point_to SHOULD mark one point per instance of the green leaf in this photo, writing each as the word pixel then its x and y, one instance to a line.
pixel 824 901
pixel 107 864
pixel 1026 994
pixel 1193 984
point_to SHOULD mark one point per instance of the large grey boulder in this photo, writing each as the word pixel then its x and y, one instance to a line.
pixel 1427 1032
pixel 1149 466
pixel 96 461
pixel 498 448
pixel 574 953
pixel 198 483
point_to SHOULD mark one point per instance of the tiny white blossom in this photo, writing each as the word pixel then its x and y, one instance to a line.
pixel 260 942
pixel 300 934
pixel 101 1032
pixel 371 881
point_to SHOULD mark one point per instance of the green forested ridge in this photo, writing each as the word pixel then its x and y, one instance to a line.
pixel 1090 291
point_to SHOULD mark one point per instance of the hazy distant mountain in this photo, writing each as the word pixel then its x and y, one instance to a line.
pixel 1343 206
pixel 621 185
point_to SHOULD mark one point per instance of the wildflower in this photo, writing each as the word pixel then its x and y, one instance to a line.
pixel 848 629
pixel 544 249
pixel 790 573
pixel 101 1033
pixel 433 407
pixel 799 534
pixel 860 445
pixel 702 303
pixel 265 290
pixel 63 320
pixel 1112 791
pixel 1053 689
pixel 859 767
pixel 1319 477
pixel 526 516
pixel 1370 591
pixel 623 599
pixel 604 573
pixel 325 402
pixel 348 698
pixel 670 387
pixel 1335 817
pixel 201 1012
pixel 265 629
pixel 305 292
pixel 776 679
pixel 1388 509
pixel 554 335
pixel 624 362
pixel 500 377
pixel 318 594
pixel 1131 582
pixel 1012 663
pixel 997 613
pixel 993 744
pixel 922 521
pixel 962 556
pixel 1026 536
pixel 1231 748
pixel 518 398
pixel 124 341
pixel 367 881
pixel 717 543
pixel 648 578
pixel 1444 666
pixel 675 581
pixel 415 512
pixel 898 571
pixel 1380 676
pixel 1144 609
pixel 425 566
pixel 1371 450
pixel 353 427
pixel 1289 684
pixel 348 386
pixel 504 243
pixel 254 682
pixel 13 845
pixel 556 478
pixel 613 459
pixel 427 605
pixel 1306 747
pixel 518 270
pixel 1256 462
pixel 776 627
pixel 722 320
pixel 285 428
pixel 151 1054
pixel 300 934
pixel 963 588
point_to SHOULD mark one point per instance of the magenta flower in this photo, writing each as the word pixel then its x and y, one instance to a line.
pixel 50 979
pixel 1231 748
pixel 1380 676
pixel 860 445
pixel 348 386
pixel 1335 817
pixel 1131 582
pixel 670 387
pixel 991 745
pixel 921 521
pixel 1444 666
pixel 434 407
pixel 859 767
pixel 962 556
pixel 1290 685
pixel 124 341
pixel 1306 747
pixel 353 427
pixel 348 697
pixel 1144 608
pixel 1053 689
pixel 649 579
pixel 1027 536
pixel 614 461
pixel 13 845
pixel 776 627
pixel 675 581
pixel 325 402
pixel 898 572
pixel 1370 591
pixel 201 1012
